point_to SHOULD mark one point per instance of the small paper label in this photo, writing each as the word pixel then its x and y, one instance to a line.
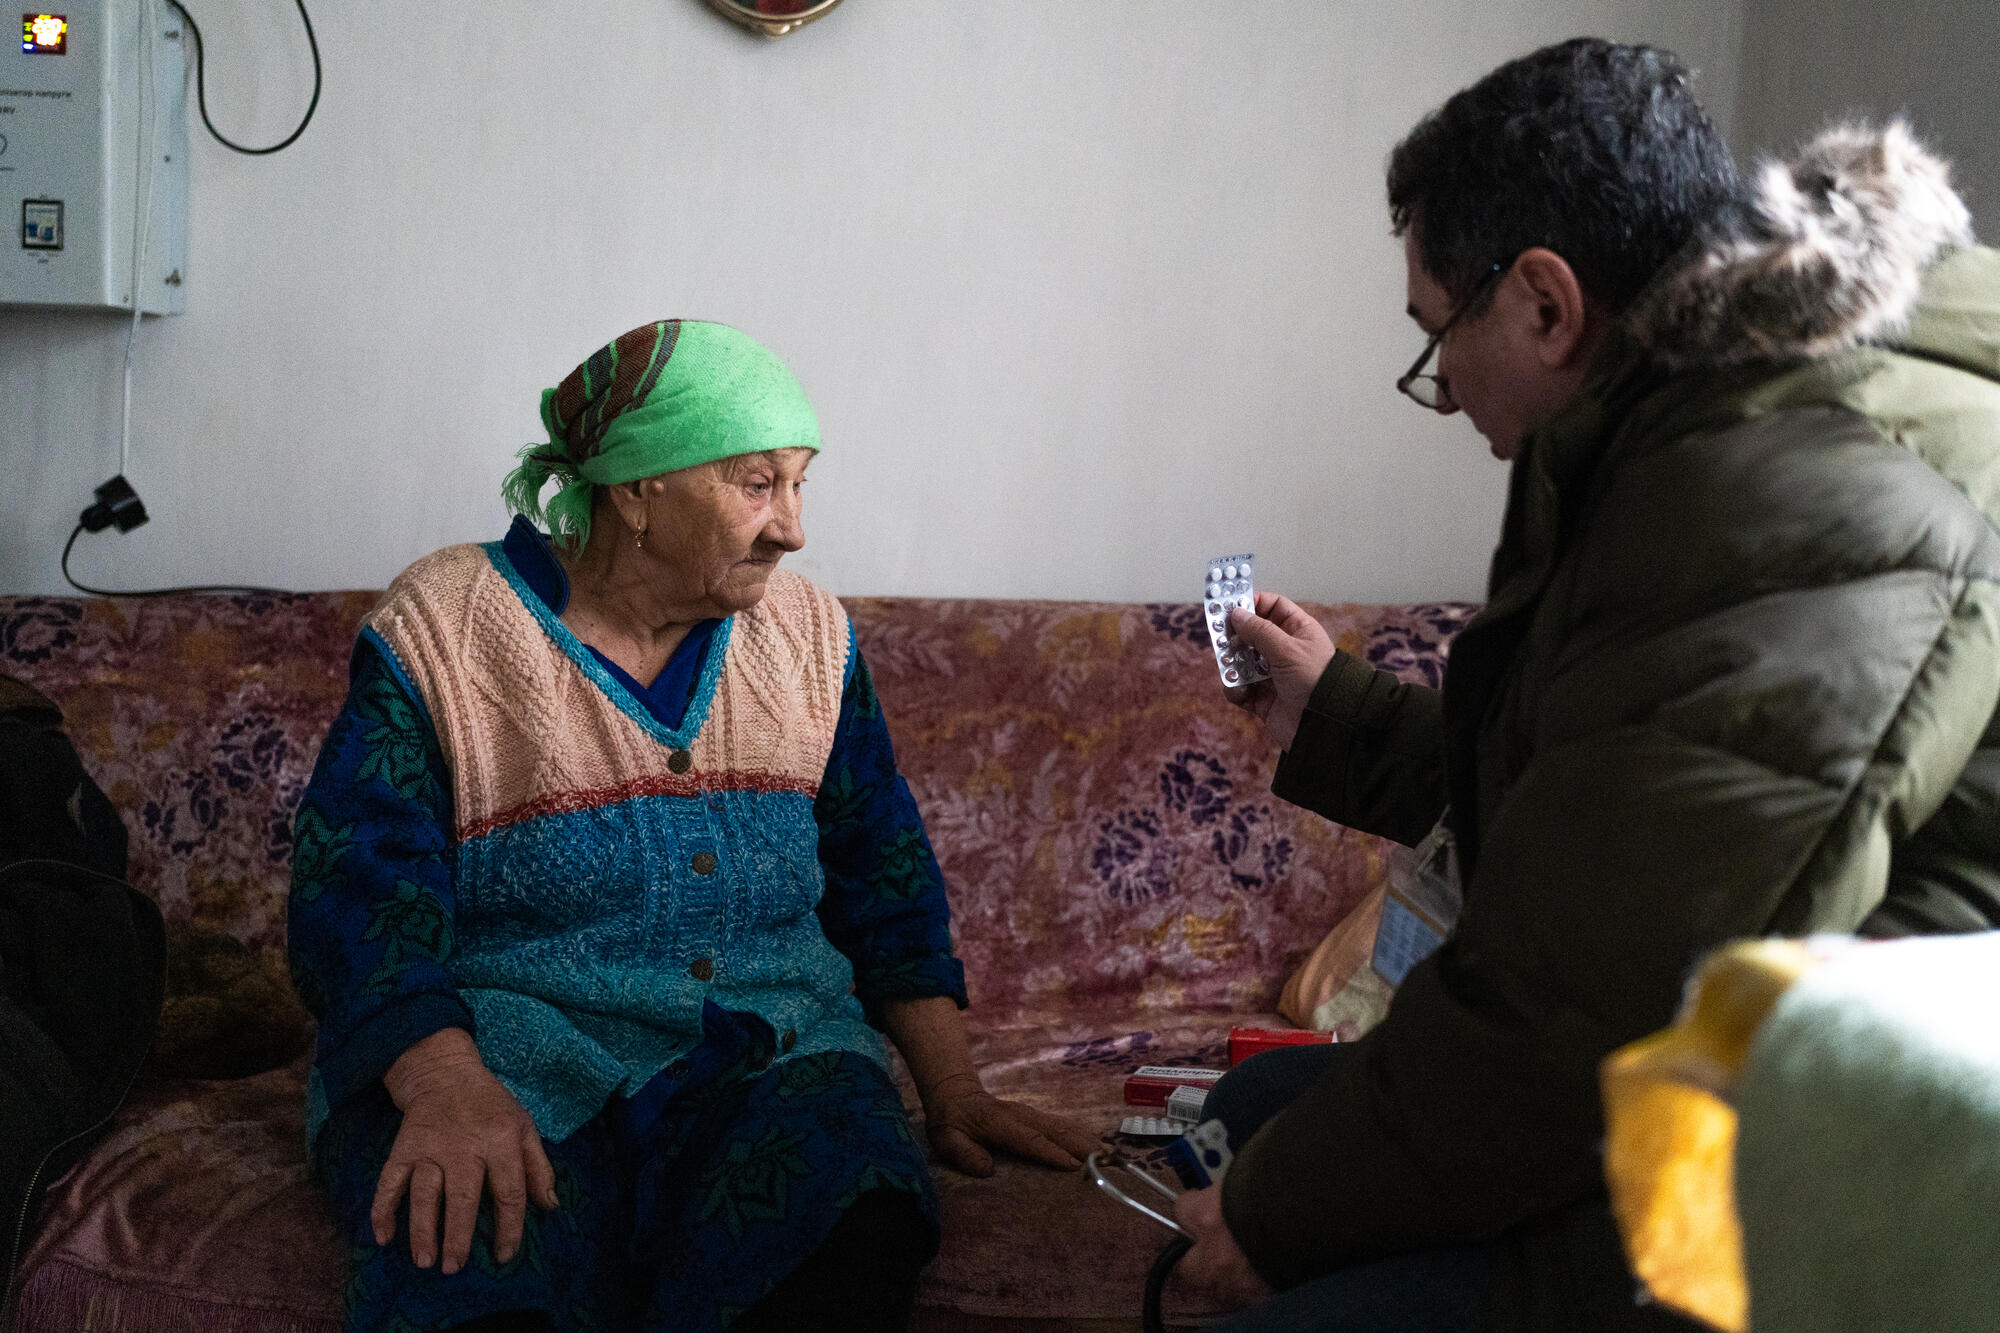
pixel 41 224
pixel 1402 941
pixel 1185 1075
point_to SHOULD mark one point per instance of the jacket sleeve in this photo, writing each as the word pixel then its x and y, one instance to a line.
pixel 1742 772
pixel 885 905
pixel 1369 753
pixel 370 917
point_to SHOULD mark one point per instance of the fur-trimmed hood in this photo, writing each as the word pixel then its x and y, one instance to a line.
pixel 1826 251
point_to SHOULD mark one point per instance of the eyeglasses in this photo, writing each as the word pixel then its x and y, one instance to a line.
pixel 1429 390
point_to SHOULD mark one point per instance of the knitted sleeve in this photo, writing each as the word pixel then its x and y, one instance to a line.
pixel 370 917
pixel 885 902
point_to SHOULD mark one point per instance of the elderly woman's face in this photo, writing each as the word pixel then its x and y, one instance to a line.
pixel 715 532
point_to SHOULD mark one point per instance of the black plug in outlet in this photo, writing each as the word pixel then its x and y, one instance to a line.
pixel 116 503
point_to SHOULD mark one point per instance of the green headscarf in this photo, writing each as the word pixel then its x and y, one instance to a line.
pixel 666 396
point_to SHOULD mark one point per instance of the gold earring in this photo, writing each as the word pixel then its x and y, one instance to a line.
pixel 639 539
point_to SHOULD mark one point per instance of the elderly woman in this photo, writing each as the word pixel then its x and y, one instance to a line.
pixel 604 883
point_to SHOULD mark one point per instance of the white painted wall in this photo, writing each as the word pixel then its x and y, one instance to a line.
pixel 1084 293
pixel 1937 61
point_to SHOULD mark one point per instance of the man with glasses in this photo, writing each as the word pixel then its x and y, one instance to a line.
pixel 1737 674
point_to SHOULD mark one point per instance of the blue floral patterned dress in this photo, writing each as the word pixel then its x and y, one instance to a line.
pixel 686 1202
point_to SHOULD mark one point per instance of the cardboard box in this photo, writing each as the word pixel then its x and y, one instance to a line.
pixel 1150 1085
pixel 1246 1042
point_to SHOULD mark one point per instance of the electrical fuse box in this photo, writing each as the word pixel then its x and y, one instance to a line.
pixel 78 134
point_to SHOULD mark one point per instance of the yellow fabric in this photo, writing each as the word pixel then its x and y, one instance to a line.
pixel 1670 1135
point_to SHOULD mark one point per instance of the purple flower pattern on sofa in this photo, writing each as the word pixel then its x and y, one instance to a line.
pixel 1133 859
pixel 37 628
pixel 1196 785
pixel 200 717
pixel 1413 648
pixel 1116 1054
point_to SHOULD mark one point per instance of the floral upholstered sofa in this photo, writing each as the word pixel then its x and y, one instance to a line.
pixel 1124 890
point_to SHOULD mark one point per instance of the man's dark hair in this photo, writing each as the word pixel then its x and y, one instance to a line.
pixel 1596 151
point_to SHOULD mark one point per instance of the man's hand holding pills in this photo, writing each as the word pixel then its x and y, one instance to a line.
pixel 1296 652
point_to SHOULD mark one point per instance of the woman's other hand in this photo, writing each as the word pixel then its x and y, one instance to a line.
pixel 963 1118
pixel 965 1121
pixel 462 1134
pixel 1296 652
pixel 1217 1263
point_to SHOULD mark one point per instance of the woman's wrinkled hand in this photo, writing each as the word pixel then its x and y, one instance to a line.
pixel 1296 651
pixel 964 1121
pixel 1216 1264
pixel 463 1134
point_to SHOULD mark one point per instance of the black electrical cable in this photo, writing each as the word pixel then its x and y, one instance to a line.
pixel 156 592
pixel 201 83
pixel 116 500
pixel 1151 1317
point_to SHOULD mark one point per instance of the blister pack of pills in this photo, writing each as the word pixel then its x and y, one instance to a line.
pixel 1228 585
pixel 1183 1113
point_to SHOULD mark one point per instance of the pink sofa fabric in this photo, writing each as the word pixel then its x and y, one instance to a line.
pixel 1124 890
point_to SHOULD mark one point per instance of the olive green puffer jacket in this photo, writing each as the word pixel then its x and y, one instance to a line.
pixel 1737 676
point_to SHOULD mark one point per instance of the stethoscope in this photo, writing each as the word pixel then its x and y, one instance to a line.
pixel 1151 1320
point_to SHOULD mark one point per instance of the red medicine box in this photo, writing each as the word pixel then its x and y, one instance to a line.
pixel 1151 1085
pixel 1246 1042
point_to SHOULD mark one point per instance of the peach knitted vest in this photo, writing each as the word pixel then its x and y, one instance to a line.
pixel 528 727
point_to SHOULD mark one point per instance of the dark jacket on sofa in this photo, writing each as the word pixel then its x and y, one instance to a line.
pixel 1737 676
pixel 82 962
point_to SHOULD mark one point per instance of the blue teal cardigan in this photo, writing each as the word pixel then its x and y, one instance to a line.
pixel 375 916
